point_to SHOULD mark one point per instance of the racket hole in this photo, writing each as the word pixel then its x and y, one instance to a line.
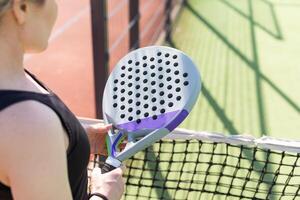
pixel 138 103
pixel 153 91
pixel 137 71
pixel 177 81
pixel 154 108
pixel 137 95
pixel 178 89
pixel 122 116
pixel 129 61
pixel 137 63
pixel 159 54
pixel 178 98
pixel 185 75
pixel 159 61
pixel 137 87
pixel 116 81
pixel 152 66
pixel 160 69
pixel 169 87
pixel 160 76
pixel 129 69
pixel 169 79
pixel 168 70
pixel 115 89
pixel 145 89
pixel 161 85
pixel 145 80
pixel 168 62
pixel 170 96
pixel 130 109
pixel 144 65
pixel 122 107
pixel 175 56
pixel 146 114
pixel 130 77
pixel 144 57
pixel 167 55
pixel 154 117
pixel 130 101
pixel 145 73
pixel 129 84
pixel 123 67
pixel 115 105
pixel 138 121
pixel 152 59
pixel 162 102
pixel 137 78
pixel 170 104
pixel 130 118
pixel 115 96
pixel 153 99
pixel 123 90
pixel 176 72
pixel 153 75
pixel 175 64
pixel 186 83
pixel 162 111
pixel 153 82
pixel 161 93
pixel 122 75
pixel 146 106
pixel 130 93
pixel 146 97
pixel 123 99
pixel 138 112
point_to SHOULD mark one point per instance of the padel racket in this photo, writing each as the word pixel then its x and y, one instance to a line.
pixel 148 94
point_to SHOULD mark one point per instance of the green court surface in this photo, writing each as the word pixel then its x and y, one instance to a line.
pixel 248 52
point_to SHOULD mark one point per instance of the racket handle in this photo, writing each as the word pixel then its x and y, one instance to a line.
pixel 110 164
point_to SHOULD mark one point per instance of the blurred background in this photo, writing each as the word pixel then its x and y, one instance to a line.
pixel 248 52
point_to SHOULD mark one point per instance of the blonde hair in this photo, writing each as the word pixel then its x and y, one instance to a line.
pixel 4 6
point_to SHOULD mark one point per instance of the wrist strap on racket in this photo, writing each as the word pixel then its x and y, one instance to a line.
pixel 98 195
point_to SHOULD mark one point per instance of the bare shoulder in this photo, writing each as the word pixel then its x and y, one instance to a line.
pixel 26 124
pixel 32 146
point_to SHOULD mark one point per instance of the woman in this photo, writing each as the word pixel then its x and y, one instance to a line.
pixel 44 151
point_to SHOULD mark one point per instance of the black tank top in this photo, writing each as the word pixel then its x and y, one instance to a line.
pixel 79 148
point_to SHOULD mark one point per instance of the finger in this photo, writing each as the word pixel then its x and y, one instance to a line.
pixel 96 171
pixel 100 128
pixel 123 168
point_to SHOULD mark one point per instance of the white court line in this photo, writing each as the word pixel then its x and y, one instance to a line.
pixel 69 23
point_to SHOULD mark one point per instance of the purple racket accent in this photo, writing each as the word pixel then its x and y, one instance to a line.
pixel 181 116
pixel 150 123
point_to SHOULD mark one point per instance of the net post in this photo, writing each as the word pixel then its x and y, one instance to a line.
pixel 134 19
pixel 168 11
pixel 100 50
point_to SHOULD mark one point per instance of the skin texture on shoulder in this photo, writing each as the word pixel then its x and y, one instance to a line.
pixel 33 152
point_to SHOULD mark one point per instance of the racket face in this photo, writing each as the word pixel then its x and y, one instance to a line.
pixel 149 89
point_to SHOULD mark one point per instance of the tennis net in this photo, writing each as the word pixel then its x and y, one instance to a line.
pixel 200 165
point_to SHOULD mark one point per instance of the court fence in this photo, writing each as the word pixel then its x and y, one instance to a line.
pixel 119 26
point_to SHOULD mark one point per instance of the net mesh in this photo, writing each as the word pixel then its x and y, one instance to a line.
pixel 192 169
pixel 195 169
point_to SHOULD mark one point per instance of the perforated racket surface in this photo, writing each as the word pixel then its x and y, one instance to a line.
pixel 148 94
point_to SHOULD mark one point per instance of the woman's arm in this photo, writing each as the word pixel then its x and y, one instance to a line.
pixel 33 152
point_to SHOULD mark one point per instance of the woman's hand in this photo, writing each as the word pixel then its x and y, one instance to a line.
pixel 110 184
pixel 96 134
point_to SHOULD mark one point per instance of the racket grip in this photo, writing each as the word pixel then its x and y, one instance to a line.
pixel 110 164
